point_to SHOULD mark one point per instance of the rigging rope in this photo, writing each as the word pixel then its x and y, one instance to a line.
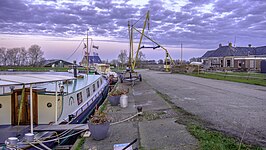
pixel 139 19
pixel 75 49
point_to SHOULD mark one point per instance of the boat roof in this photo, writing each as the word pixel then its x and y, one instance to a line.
pixel 20 79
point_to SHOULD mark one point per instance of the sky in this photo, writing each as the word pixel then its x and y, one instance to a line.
pixel 60 26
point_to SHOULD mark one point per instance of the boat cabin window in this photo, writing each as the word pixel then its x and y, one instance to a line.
pixel 88 92
pixel 79 98
pixel 101 81
pixel 93 88
pixel 98 84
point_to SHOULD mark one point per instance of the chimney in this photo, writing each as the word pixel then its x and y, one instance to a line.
pixel 230 44
pixel 220 45
pixel 249 45
pixel 75 68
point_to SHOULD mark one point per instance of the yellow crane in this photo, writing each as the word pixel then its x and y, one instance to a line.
pixel 132 61
pixel 130 74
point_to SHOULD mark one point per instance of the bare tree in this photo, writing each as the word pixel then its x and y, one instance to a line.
pixel 122 57
pixel 23 57
pixel 141 57
pixel 160 61
pixel 3 56
pixel 11 56
pixel 35 55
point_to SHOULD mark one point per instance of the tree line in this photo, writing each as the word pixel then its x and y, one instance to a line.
pixel 123 58
pixel 21 57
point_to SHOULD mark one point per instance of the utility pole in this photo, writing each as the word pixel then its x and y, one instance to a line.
pixel 235 42
pixel 130 45
pixel 181 53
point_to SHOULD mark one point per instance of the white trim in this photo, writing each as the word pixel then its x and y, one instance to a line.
pixel 20 79
pixel 31 111
pixel 56 102
pixel 250 58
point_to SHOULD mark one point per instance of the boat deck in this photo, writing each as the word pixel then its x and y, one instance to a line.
pixel 7 131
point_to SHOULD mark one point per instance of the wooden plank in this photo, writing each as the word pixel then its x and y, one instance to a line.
pixel 64 127
pixel 63 147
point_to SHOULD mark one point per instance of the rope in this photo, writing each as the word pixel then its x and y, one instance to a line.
pixel 75 50
pixel 65 132
pixel 34 146
pixel 43 145
pixel 59 138
pixel 139 19
pixel 139 113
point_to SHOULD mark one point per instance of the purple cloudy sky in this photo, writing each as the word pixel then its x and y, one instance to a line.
pixel 59 25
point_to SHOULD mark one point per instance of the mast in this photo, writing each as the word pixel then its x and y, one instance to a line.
pixel 129 33
pixel 132 48
pixel 87 51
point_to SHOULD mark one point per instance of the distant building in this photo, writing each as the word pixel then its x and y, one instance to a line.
pixel 226 57
pixel 91 59
pixel 56 63
pixel 148 62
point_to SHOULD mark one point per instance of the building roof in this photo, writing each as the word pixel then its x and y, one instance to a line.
pixel 260 50
pixel 223 51
pixel 208 54
pixel 20 79
pixel 92 59
pixel 54 61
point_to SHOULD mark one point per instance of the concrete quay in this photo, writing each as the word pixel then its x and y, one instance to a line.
pixel 155 129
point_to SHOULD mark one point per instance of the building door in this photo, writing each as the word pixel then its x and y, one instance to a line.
pixel 21 106
pixel 228 63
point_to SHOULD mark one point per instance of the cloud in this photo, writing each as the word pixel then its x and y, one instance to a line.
pixel 199 23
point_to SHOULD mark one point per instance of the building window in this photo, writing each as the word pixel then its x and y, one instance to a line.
pixel 239 64
pixel 98 84
pixel 252 64
pixel 93 88
pixel 88 92
pixel 101 81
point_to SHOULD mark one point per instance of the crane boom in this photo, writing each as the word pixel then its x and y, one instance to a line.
pixel 156 44
pixel 141 37
pixel 132 61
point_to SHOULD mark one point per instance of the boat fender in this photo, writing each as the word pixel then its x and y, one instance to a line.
pixel 124 101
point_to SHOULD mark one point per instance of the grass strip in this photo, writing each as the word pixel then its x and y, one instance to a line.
pixel 80 144
pixel 254 81
pixel 214 140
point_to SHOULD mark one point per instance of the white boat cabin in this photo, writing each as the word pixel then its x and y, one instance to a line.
pixel 54 97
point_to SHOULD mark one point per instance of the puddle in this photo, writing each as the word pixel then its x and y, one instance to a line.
pixel 189 98
pixel 137 93
pixel 145 104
